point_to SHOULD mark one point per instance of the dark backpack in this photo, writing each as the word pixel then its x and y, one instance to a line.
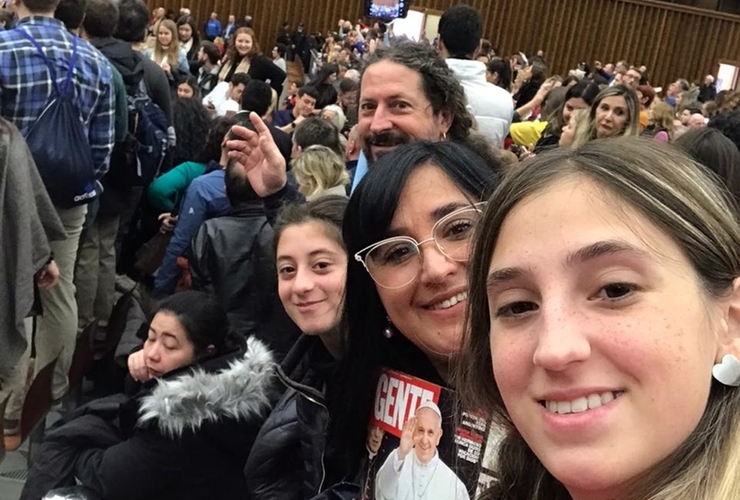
pixel 59 144
pixel 137 160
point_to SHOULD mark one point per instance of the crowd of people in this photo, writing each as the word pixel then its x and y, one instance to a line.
pixel 283 229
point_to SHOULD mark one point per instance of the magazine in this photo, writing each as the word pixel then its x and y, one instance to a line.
pixel 421 446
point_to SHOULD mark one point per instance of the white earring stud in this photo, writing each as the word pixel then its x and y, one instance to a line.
pixel 728 371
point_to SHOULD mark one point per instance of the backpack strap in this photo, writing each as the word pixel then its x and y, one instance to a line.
pixel 70 70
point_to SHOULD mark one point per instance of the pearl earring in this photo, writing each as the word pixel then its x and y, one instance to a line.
pixel 388 331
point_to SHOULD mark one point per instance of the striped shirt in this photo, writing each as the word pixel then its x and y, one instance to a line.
pixel 26 87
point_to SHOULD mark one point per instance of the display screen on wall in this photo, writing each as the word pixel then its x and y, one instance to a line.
pixel 386 10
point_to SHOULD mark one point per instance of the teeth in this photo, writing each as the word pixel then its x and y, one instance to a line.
pixel 446 304
pixel 581 404
pixel 594 401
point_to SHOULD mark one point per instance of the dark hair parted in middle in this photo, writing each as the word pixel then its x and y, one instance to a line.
pixel 368 218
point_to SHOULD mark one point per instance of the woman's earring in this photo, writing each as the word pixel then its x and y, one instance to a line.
pixel 728 371
pixel 388 331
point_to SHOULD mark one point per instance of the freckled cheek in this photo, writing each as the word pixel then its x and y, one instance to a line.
pixel 512 364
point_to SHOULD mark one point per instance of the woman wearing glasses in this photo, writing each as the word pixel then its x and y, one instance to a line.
pixel 407 229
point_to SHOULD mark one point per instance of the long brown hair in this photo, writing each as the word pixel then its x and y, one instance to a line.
pixel 680 198
pixel 232 54
pixel 173 51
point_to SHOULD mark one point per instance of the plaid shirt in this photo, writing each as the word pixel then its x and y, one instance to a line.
pixel 25 82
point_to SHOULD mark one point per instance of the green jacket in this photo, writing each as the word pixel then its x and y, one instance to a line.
pixel 166 191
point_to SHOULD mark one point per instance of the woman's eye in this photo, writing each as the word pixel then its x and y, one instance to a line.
pixel 616 291
pixel 396 254
pixel 286 271
pixel 516 309
pixel 458 229
pixel 322 266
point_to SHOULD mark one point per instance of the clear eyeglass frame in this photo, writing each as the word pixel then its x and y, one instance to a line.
pixel 363 254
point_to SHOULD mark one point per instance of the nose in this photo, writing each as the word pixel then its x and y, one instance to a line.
pixel 152 353
pixel 303 281
pixel 435 266
pixel 381 119
pixel 562 338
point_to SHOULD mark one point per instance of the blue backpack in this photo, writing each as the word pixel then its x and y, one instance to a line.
pixel 59 144
pixel 148 126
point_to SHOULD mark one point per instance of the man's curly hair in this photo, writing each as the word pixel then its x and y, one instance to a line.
pixel 441 88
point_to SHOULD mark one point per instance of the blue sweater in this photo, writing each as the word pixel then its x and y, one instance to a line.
pixel 204 199
pixel 213 28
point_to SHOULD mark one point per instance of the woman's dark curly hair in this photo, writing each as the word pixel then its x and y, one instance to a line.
pixel 191 122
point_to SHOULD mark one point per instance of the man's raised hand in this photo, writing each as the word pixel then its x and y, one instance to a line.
pixel 256 153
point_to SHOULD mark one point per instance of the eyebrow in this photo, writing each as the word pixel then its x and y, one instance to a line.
pixel 580 256
pixel 322 251
pixel 435 215
pixel 386 98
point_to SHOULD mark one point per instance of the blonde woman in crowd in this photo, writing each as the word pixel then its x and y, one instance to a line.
pixel 576 132
pixel 604 327
pixel 615 112
pixel 661 122
pixel 319 172
pixel 167 52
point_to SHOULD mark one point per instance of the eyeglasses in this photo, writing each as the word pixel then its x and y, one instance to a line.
pixel 396 262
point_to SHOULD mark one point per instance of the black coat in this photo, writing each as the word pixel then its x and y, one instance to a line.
pixel 233 258
pixel 183 437
pixel 286 461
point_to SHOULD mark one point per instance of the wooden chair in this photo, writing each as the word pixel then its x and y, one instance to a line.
pixel 37 404
pixel 3 404
pixel 116 326
pixel 82 360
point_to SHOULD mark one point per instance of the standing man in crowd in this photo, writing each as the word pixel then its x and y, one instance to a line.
pixel 230 28
pixel 25 91
pixel 213 27
pixel 707 91
pixel 460 31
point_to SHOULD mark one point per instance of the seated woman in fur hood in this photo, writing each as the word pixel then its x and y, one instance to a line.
pixel 186 433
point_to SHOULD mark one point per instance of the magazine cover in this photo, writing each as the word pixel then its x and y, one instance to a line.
pixel 421 447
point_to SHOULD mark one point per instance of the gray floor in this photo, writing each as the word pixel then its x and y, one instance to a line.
pixel 13 473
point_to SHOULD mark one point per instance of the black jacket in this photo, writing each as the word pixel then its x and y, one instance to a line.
pixel 183 437
pixel 286 461
pixel 233 258
pixel 262 68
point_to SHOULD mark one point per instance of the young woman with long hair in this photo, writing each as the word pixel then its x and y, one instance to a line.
pixel 167 52
pixel 604 327
pixel 286 461
pixel 243 55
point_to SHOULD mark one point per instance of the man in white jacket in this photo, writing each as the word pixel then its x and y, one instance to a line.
pixel 460 29
pixel 414 471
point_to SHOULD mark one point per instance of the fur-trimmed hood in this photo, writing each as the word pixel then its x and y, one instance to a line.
pixel 239 392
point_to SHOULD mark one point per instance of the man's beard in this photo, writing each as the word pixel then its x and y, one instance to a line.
pixel 386 139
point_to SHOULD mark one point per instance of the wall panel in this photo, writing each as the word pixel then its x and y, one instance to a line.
pixel 671 40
